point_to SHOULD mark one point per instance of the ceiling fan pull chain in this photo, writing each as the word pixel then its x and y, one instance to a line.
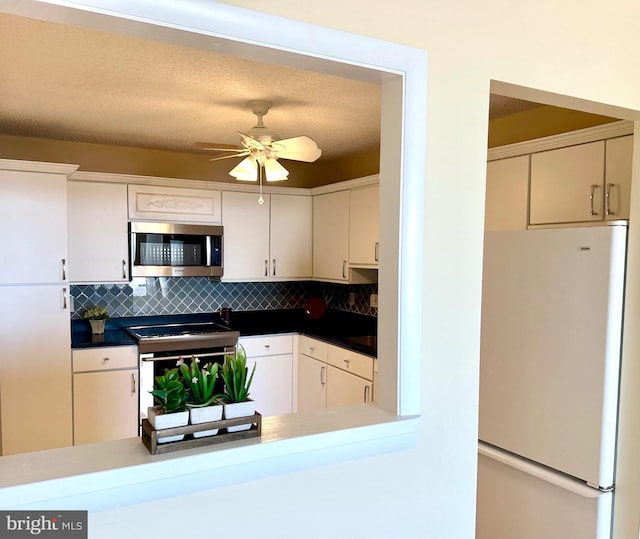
pixel 260 200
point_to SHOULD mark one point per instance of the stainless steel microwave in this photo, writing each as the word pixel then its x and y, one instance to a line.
pixel 175 250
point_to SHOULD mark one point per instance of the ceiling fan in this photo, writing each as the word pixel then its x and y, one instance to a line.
pixel 261 149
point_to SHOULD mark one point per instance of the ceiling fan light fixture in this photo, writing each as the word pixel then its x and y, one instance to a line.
pixel 274 171
pixel 246 170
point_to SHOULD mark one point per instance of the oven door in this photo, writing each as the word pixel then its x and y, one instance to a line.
pixel 153 364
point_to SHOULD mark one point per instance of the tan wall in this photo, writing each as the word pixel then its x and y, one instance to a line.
pixel 162 163
pixel 540 122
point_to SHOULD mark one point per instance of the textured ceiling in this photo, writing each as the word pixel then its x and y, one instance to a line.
pixel 501 106
pixel 76 84
pixel 68 83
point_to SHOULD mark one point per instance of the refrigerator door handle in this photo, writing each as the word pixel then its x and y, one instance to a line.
pixel 541 472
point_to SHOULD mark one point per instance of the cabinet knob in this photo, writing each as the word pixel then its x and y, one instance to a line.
pixel 267 346
pixel 346 362
pixel 105 359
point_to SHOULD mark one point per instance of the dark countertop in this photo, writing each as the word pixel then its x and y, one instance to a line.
pixel 336 327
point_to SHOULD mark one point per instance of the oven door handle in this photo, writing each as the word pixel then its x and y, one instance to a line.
pixel 151 357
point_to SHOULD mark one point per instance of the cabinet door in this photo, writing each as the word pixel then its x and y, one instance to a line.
pixel 331 236
pixel 312 384
pixel 272 386
pixel 363 226
pixel 105 406
pixel 344 388
pixel 33 216
pixel 567 184
pixel 246 236
pixel 291 237
pixel 98 241
pixel 507 194
pixel 618 177
pixel 35 369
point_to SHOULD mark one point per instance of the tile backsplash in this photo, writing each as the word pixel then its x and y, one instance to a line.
pixel 184 295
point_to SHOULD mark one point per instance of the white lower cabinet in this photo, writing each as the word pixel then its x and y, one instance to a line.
pixel 330 376
pixel 35 368
pixel 105 394
pixel 344 388
pixel 272 386
pixel 312 384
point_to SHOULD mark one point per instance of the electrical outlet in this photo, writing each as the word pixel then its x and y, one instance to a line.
pixel 352 299
pixel 374 300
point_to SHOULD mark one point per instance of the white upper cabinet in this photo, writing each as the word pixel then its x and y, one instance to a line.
pixel 269 241
pixel 507 194
pixel 98 237
pixel 291 237
pixel 331 236
pixel 567 184
pixel 174 204
pixel 617 177
pixel 33 217
pixel 363 226
pixel 588 182
pixel 246 236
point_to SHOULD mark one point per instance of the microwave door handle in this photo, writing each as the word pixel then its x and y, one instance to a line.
pixel 207 246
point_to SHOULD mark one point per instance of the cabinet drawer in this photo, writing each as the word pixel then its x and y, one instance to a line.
pixel 101 359
pixel 267 345
pixel 350 361
pixel 313 348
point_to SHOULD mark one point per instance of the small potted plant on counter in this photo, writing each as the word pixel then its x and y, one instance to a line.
pixel 170 397
pixel 97 316
pixel 236 386
pixel 202 402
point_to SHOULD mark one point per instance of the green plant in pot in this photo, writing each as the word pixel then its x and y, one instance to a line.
pixel 237 382
pixel 170 397
pixel 97 316
pixel 202 401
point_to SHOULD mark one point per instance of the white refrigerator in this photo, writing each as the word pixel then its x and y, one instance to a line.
pixel 549 370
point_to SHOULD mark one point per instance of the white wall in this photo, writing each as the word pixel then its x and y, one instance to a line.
pixel 586 50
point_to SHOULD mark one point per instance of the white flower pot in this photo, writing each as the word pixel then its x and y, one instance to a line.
pixel 97 326
pixel 205 414
pixel 239 409
pixel 161 421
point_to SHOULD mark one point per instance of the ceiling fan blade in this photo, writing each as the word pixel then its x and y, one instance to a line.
pixel 297 148
pixel 235 155
pixel 219 147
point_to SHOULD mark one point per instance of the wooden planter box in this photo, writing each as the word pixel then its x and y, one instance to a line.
pixel 150 435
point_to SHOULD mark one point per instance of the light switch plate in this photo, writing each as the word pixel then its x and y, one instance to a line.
pixel 374 300
pixel 352 299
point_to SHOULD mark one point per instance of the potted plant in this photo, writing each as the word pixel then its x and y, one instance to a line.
pixel 97 316
pixel 170 397
pixel 202 402
pixel 236 386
